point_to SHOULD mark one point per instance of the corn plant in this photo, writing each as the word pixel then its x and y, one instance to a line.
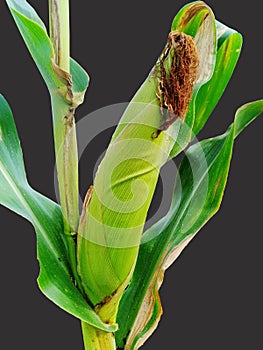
pixel 97 263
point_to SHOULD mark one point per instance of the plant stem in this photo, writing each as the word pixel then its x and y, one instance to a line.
pixel 63 115
pixel 67 170
pixel 63 109
pixel 96 339
pixel 64 126
pixel 60 32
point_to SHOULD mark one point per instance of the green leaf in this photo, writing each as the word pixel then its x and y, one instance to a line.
pixel 40 47
pixel 246 114
pixel 80 78
pixel 23 7
pixel 198 193
pixel 55 279
pixel 35 36
pixel 228 52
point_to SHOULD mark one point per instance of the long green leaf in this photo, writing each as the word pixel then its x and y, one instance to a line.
pixel 197 197
pixel 55 279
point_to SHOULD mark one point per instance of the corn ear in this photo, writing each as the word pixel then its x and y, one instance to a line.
pixel 116 208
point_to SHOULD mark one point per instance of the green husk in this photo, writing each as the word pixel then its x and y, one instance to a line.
pixel 112 222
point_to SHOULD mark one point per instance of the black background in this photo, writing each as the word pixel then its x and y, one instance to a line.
pixel 212 296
